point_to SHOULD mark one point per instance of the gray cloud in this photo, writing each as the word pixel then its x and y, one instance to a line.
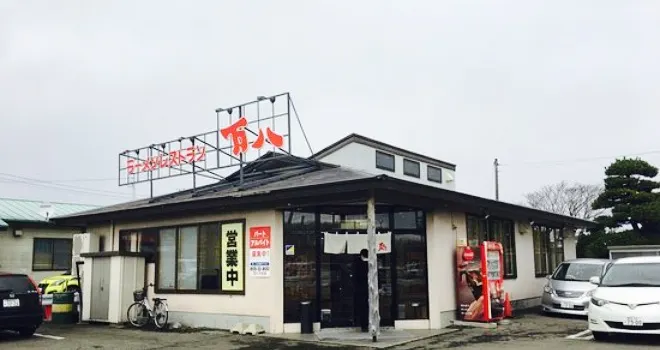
pixel 464 81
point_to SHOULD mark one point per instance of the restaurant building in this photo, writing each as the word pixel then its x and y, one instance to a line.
pixel 253 246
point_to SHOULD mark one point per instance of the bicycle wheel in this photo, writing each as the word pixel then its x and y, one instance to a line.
pixel 137 314
pixel 160 315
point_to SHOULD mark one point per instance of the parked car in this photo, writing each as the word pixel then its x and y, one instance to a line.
pixel 567 290
pixel 65 282
pixel 20 304
pixel 627 298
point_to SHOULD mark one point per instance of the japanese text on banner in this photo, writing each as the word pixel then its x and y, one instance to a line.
pixel 233 264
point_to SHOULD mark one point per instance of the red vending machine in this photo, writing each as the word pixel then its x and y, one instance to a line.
pixel 480 295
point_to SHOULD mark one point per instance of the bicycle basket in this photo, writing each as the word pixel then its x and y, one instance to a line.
pixel 138 295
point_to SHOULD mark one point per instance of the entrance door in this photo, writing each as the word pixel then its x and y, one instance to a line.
pixel 340 296
pixel 337 290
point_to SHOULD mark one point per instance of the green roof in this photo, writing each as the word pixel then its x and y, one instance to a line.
pixel 36 211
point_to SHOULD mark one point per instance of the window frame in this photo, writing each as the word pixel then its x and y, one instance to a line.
pixel 414 163
pixel 52 257
pixel 197 290
pixel 428 174
pixel 383 167
pixel 139 240
pixel 548 252
pixel 511 275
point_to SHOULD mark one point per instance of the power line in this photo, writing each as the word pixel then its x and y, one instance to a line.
pixel 35 182
pixel 576 160
pixel 73 180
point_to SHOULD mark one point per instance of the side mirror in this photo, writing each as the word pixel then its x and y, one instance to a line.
pixel 594 280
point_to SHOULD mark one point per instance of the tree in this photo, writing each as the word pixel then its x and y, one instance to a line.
pixel 630 195
pixel 567 199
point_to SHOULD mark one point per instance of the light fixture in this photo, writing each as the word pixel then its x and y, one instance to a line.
pixel 18 233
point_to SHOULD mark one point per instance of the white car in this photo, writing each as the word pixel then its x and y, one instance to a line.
pixel 627 299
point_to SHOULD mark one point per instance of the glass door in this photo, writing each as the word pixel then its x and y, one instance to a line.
pixel 337 290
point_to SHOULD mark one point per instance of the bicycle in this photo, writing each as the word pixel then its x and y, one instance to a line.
pixel 140 312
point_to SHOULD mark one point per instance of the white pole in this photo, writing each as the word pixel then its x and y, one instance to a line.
pixel 374 315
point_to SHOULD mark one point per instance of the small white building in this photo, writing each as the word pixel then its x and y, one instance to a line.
pixel 30 243
pixel 617 252
pixel 252 251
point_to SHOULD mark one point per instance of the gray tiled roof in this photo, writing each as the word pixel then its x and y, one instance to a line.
pixel 315 174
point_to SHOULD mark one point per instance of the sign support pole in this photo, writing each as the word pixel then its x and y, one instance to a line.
pixel 374 314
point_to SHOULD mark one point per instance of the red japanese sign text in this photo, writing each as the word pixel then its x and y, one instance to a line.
pixel 240 141
pixel 172 159
pixel 260 237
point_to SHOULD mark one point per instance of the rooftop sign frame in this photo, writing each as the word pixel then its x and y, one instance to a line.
pixel 243 133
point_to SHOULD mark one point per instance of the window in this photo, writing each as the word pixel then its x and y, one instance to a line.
pixel 300 265
pixel 140 241
pixel 209 258
pixel 50 254
pixel 167 259
pixel 434 174
pixel 384 161
pixel 548 249
pixel 411 265
pixel 480 229
pixel 189 258
pixel 411 168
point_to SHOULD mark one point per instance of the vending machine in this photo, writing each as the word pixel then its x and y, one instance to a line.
pixel 480 294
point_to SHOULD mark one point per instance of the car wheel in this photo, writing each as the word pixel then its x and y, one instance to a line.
pixel 27 332
pixel 600 336
pixel 73 289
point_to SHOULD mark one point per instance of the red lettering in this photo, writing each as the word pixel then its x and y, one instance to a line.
pixel 163 162
pixel 259 142
pixel 146 166
pixel 275 139
pixel 201 154
pixel 190 154
pixel 238 136
pixel 130 166
pixel 175 158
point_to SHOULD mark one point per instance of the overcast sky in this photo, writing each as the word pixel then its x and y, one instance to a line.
pixel 537 84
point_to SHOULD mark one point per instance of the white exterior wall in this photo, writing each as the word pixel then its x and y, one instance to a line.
pixel 444 231
pixel 263 299
pixel 16 252
pixel 362 157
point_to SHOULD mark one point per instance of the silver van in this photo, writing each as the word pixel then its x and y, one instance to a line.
pixel 568 290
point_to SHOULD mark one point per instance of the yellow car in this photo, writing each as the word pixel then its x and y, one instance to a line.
pixel 65 282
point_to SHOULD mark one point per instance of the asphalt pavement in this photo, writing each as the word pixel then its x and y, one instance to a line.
pixel 526 331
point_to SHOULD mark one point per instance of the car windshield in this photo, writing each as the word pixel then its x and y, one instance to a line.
pixel 17 284
pixel 632 275
pixel 576 271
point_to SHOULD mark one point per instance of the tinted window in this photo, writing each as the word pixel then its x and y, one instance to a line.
pixel 434 174
pixel 384 161
pixel 632 274
pixel 17 284
pixel 577 272
pixel 410 168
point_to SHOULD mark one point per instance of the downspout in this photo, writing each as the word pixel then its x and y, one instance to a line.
pixel 112 244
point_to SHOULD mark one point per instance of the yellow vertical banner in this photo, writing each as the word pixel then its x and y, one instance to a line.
pixel 233 257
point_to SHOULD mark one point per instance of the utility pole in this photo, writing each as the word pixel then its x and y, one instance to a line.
pixel 496 165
